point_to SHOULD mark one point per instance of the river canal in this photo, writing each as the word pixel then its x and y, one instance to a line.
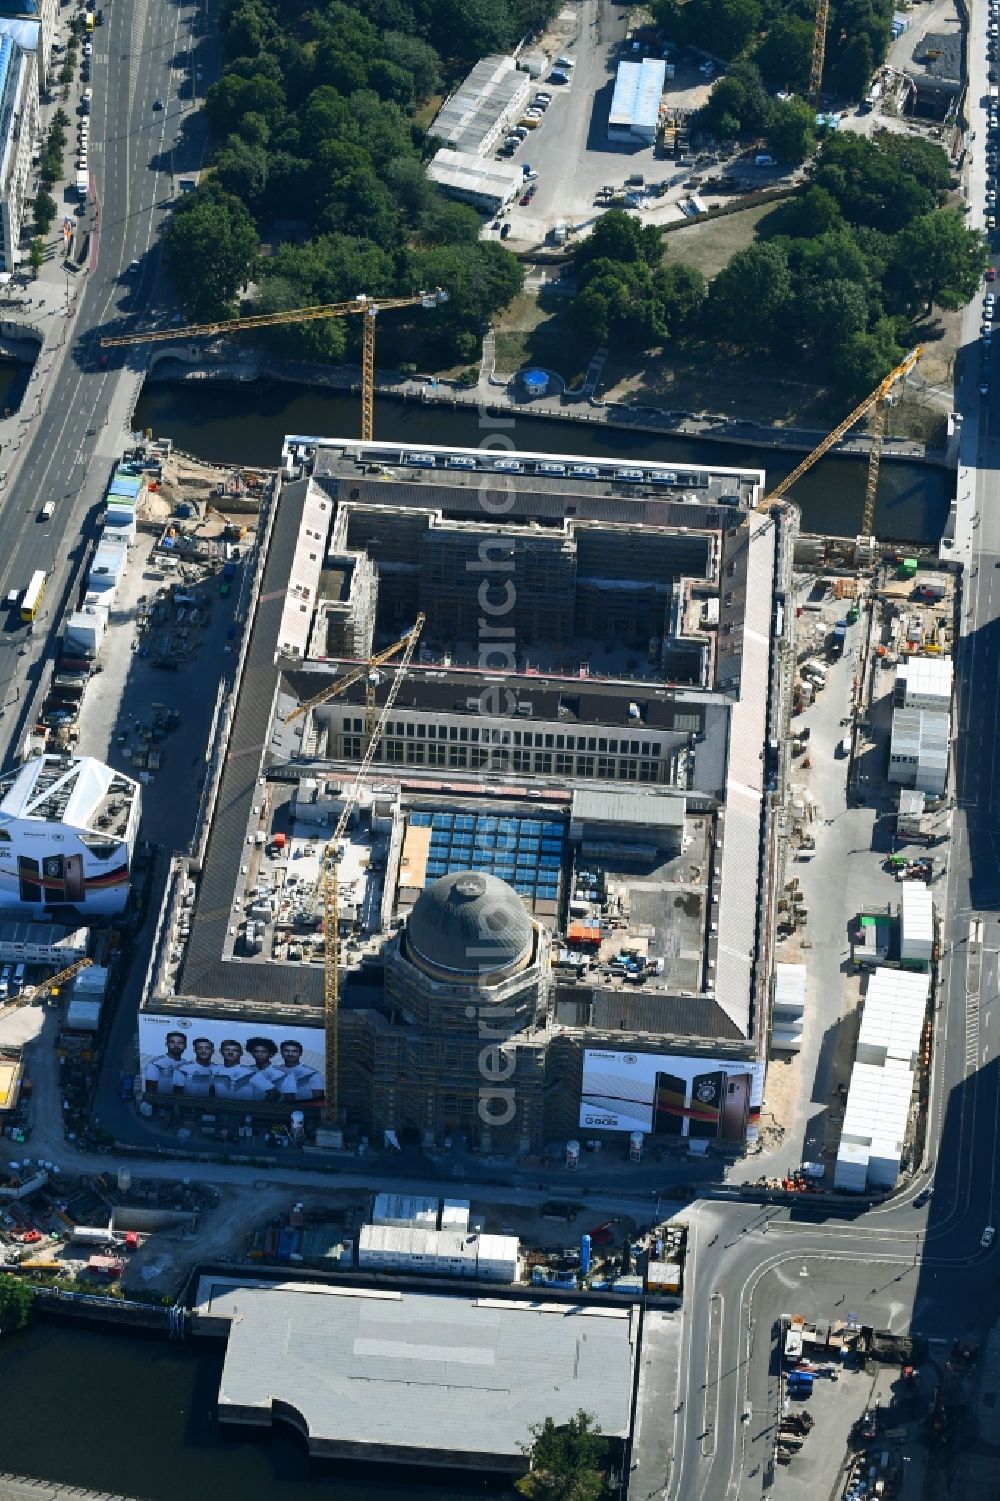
pixel 246 425
pixel 136 1415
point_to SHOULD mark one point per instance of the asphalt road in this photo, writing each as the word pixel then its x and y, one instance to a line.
pixel 76 429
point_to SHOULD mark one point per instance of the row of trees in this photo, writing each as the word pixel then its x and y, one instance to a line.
pixel 777 35
pixel 849 265
pixel 50 170
pixel 318 153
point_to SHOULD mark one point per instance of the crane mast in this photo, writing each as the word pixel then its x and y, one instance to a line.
pixel 328 890
pixel 368 308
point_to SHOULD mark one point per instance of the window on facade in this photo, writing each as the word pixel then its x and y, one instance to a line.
pixel 605 766
pixel 543 761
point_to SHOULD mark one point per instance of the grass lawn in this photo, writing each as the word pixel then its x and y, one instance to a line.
pixel 712 243
pixel 536 332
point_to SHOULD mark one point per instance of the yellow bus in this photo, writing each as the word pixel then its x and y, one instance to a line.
pixel 33 596
pixel 90 20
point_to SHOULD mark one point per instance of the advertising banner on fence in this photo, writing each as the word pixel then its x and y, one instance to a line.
pixel 662 1095
pixel 195 1058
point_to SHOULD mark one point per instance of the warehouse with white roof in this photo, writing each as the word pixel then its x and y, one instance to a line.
pixel 416 1378
pixel 486 185
pixel 635 104
pixel 480 110
pixel 873 1135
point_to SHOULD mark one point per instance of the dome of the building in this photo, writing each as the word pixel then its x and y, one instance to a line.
pixel 469 925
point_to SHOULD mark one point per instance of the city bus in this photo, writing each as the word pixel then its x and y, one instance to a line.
pixel 33 596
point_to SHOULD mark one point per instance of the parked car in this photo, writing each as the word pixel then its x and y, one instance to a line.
pixel 128 1087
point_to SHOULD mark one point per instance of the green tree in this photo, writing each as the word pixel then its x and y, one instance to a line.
pixel 681 289
pixel 832 312
pixel 867 358
pixel 750 300
pixel 784 57
pixel 210 251
pixel 15 1304
pixel 619 237
pixel 811 213
pixel 738 105
pixel 868 184
pixel 232 97
pixel 417 57
pixel 44 212
pixel 942 259
pixel 568 1463
pixel 474 27
pixel 925 161
pixel 852 73
pixel 242 170
pixel 36 255
pixel 723 27
pixel 791 130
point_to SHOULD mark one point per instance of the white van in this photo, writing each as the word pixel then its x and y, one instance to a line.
pixel 48 509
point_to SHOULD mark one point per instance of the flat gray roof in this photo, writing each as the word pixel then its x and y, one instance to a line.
pixel 422 1378
pixel 643 809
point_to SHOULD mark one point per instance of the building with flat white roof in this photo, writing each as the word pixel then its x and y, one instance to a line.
pixel 417 1378
pixel 916 941
pixel 873 1136
pixel 635 104
pixel 487 184
pixel 480 110
pixel 18 133
pixel 68 828
pixel 925 683
pixel 918 749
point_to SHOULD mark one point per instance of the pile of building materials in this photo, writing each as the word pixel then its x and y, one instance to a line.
pixel 874 1131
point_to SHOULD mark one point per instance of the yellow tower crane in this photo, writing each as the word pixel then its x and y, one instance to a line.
pixel 367 307
pixel 876 399
pixel 327 891
pixel 45 987
pixel 818 50
pixel 368 671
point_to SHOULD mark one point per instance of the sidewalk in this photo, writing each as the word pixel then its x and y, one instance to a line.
pixel 52 297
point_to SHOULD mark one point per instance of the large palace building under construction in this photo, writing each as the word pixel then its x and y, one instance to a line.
pixel 555 879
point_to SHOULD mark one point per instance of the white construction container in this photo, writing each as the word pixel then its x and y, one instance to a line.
pixel 455 1214
pixel 851 1170
pixel 496 1258
pixel 405 1211
pixel 84 630
pixel 916 913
